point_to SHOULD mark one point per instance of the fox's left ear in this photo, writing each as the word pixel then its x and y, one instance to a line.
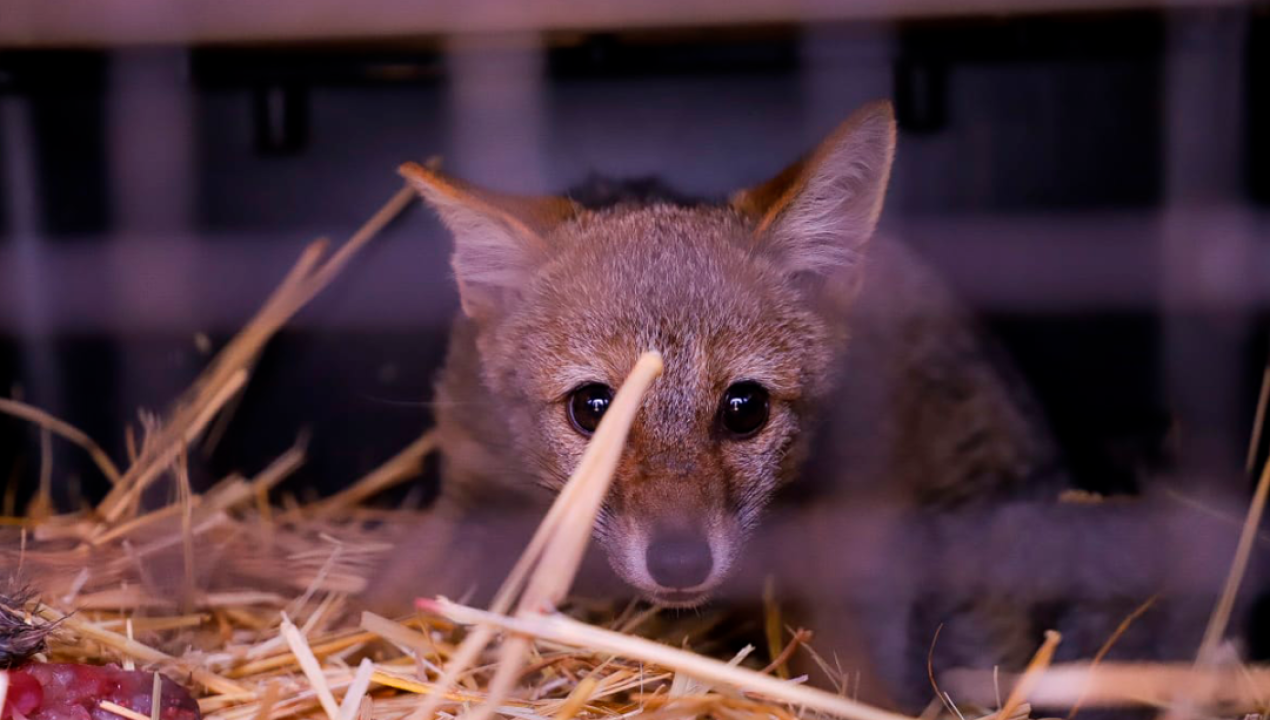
pixel 816 215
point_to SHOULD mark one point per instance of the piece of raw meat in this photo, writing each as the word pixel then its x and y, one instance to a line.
pixel 72 691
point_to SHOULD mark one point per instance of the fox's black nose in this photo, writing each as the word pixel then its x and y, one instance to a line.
pixel 679 560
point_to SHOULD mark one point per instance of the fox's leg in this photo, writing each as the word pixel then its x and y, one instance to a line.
pixel 981 633
pixel 853 642
pixel 456 552
pixel 842 574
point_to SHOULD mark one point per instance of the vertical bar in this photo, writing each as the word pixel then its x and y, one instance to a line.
pixel 844 67
pixel 28 285
pixel 1205 242
pixel 154 269
pixel 497 98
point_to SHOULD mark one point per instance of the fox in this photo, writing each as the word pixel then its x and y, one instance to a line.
pixel 822 388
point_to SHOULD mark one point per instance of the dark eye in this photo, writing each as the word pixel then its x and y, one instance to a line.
pixel 587 405
pixel 744 409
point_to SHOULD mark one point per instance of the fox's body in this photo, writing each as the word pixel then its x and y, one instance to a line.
pixel 821 391
pixel 922 415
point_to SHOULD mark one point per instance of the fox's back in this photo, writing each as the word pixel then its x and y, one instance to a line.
pixel 930 398
pixel 929 423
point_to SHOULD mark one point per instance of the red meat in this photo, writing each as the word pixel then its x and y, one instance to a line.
pixel 57 691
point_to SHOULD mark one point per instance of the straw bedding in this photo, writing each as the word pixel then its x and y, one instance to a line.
pixel 252 603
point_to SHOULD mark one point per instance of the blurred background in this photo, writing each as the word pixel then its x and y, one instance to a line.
pixel 1093 178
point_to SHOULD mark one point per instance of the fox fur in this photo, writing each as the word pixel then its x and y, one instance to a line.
pixel 888 404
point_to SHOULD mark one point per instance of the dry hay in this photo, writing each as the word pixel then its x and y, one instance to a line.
pixel 253 605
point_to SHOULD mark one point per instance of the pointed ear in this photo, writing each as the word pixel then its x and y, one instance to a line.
pixel 815 217
pixel 499 240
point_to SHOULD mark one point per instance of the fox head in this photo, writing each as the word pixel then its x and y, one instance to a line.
pixel 746 302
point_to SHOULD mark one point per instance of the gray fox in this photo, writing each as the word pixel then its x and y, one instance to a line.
pixel 822 393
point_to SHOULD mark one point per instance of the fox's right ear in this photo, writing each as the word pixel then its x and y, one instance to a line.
pixel 498 239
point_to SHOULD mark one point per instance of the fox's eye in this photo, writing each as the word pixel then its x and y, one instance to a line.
pixel 587 405
pixel 744 409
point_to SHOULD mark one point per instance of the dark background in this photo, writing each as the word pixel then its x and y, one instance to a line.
pixel 1094 184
